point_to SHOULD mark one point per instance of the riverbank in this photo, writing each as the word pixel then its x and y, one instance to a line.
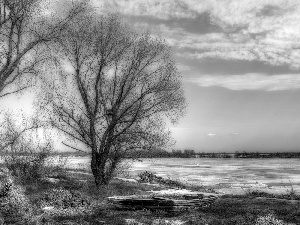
pixel 229 176
pixel 74 199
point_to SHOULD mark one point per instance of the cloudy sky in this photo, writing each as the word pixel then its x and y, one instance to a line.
pixel 240 60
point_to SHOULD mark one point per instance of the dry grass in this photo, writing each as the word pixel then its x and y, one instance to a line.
pixel 66 197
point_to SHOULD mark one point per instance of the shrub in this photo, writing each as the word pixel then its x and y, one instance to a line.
pixel 15 206
pixel 147 177
pixel 152 178
pixel 25 152
pixel 122 169
pixel 62 198
pixel 27 168
pixel 291 195
pixel 270 219
pixel 55 167
pixel 35 165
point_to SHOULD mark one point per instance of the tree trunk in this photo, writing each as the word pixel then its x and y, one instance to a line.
pixel 98 170
pixel 100 178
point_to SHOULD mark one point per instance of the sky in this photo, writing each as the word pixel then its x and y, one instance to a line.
pixel 240 63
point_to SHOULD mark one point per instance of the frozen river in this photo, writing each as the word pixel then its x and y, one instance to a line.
pixel 226 175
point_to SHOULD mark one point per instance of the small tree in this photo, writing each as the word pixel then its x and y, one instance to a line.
pixel 119 88
pixel 12 134
pixel 23 151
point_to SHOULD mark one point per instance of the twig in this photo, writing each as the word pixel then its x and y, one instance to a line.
pixel 73 147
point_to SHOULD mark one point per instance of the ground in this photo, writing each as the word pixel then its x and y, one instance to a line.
pixel 73 198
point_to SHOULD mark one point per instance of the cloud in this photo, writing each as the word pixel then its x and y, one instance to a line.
pixel 162 9
pixel 211 134
pixel 250 81
pixel 260 30
pixel 276 47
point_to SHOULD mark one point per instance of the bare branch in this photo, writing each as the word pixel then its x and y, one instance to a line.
pixel 16 91
pixel 22 32
pixel 73 147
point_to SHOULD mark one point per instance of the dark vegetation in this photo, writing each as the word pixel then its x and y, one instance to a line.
pixel 148 177
pixel 291 195
pixel 267 155
pixel 189 153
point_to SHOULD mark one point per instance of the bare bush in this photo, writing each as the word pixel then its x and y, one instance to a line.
pixel 270 219
pixel 15 206
pixel 24 155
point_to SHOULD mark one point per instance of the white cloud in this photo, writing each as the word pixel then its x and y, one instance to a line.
pixel 162 9
pixel 272 38
pixel 232 55
pixel 262 30
pixel 211 134
pixel 250 81
pixel 236 46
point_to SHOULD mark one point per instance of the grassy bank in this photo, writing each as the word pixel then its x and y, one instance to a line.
pixel 74 199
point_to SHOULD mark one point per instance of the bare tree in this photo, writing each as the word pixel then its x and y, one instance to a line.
pixel 118 89
pixel 25 32
pixel 22 148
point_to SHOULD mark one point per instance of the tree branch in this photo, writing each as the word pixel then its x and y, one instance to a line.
pixel 73 147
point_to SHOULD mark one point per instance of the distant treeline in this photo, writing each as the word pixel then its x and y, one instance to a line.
pixel 266 155
pixel 159 153
pixel 188 153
